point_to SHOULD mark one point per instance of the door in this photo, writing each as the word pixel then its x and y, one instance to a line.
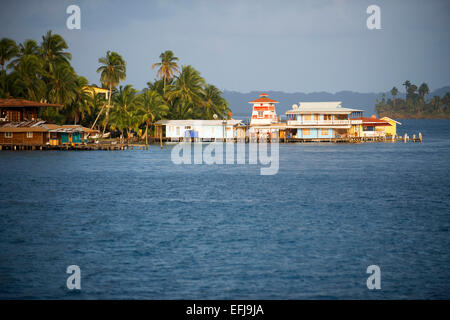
pixel 64 137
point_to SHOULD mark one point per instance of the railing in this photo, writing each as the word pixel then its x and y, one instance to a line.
pixel 323 122
pixel 318 122
pixel 373 133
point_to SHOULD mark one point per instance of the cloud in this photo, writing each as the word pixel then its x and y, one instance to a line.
pixel 248 45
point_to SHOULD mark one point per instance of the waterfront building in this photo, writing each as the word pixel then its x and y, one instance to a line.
pixel 392 129
pixel 371 127
pixel 202 130
pixel 17 110
pixel 20 126
pixel 263 112
pixel 321 120
pixel 264 122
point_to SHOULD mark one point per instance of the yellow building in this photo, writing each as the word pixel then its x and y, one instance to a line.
pixel 392 129
pixel 97 90
pixel 355 129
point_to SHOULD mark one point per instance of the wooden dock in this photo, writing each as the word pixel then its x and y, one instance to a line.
pixel 115 146
pixel 79 147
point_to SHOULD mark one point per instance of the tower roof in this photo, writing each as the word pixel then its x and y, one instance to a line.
pixel 263 98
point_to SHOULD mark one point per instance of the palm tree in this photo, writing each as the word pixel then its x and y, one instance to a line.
pixel 8 50
pixel 112 72
pixel 63 85
pixel 187 91
pixel 26 79
pixel 80 107
pixel 167 67
pixel 407 84
pixel 394 92
pixel 52 49
pixel 97 104
pixel 123 111
pixel 423 90
pixel 213 103
pixel 158 86
pixel 150 106
pixel 29 47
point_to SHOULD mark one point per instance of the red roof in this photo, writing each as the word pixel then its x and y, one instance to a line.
pixel 20 103
pixel 372 121
pixel 263 99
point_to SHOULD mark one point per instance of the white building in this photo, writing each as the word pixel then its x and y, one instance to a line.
pixel 263 110
pixel 317 120
pixel 210 130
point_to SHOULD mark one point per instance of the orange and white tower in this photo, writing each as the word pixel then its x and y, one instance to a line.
pixel 263 110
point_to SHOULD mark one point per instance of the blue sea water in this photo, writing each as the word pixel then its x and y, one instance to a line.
pixel 141 227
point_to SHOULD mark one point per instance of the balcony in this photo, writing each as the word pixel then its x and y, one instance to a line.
pixel 319 122
pixel 345 122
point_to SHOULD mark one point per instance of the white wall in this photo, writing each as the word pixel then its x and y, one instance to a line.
pixel 206 132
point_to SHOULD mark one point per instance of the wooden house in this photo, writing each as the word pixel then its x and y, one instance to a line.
pixel 20 126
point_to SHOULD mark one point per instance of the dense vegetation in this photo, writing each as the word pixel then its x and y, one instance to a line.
pixel 42 72
pixel 415 105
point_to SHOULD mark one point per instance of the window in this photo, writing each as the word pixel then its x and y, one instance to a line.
pixel 324 132
pixel 29 135
pixel 316 116
pixel 170 128
pixel 307 117
pixel 260 114
pixel 178 131
pixel 327 117
pixel 306 132
pixel 8 134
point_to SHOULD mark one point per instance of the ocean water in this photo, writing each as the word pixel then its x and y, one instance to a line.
pixel 142 227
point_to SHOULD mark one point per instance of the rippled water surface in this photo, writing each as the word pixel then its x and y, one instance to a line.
pixel 141 227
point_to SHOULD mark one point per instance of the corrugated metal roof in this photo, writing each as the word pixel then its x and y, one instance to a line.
pixel 327 106
pixel 20 103
pixel 198 122
pixel 41 126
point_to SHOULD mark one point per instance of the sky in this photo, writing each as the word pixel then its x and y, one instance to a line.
pixel 245 45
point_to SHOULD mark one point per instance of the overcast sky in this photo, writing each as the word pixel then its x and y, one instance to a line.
pixel 320 45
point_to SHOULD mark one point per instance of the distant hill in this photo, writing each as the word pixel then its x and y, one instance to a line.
pixel 364 101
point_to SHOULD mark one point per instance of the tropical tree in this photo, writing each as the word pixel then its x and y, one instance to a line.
pixel 28 48
pixel 158 86
pixel 407 84
pixel 80 107
pixel 26 79
pixel 112 71
pixel 187 92
pixel 53 52
pixel 97 104
pixel 123 114
pixel 167 67
pixel 423 90
pixel 8 50
pixel 150 106
pixel 62 85
pixel 394 93
pixel 213 103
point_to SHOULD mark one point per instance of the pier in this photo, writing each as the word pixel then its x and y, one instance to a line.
pixel 78 147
